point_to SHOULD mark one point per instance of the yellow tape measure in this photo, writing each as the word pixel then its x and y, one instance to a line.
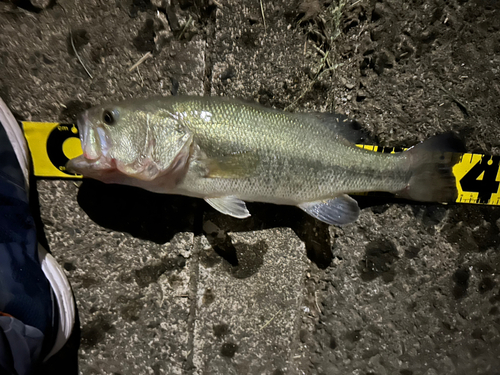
pixel 53 144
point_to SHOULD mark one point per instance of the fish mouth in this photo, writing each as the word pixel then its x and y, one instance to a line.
pixel 90 168
pixel 95 142
pixel 95 146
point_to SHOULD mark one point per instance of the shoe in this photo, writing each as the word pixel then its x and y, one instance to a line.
pixel 37 308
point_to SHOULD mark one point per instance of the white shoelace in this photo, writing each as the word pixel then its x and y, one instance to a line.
pixel 16 139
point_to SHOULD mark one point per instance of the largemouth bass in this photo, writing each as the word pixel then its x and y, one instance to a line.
pixel 228 151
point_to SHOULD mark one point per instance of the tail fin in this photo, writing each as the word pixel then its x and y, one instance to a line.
pixel 432 161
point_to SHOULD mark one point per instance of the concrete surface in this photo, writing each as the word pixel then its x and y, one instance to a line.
pixel 253 315
pixel 165 285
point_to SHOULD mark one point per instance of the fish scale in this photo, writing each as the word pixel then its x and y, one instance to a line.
pixel 228 151
pixel 300 159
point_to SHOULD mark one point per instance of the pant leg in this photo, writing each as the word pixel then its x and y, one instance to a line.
pixel 25 293
pixel 20 346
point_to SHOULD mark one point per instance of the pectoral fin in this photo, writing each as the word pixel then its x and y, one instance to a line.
pixel 242 165
pixel 229 205
pixel 341 210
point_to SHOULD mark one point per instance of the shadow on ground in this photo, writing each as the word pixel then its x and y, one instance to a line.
pixel 158 217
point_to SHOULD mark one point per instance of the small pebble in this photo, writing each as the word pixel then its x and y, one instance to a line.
pixel 42 4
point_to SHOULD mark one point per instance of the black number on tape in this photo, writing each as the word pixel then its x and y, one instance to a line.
pixel 488 167
pixel 55 142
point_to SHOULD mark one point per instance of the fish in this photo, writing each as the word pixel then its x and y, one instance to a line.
pixel 230 151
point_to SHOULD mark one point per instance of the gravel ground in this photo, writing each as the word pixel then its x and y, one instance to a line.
pixel 165 285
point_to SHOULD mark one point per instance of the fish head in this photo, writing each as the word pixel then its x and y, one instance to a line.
pixel 114 133
pixel 132 139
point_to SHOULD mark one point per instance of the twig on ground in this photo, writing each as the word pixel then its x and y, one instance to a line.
pixel 270 320
pixel 77 56
pixel 460 105
pixel 140 61
pixel 185 27
pixel 140 76
pixel 217 3
pixel 316 302
pixel 263 16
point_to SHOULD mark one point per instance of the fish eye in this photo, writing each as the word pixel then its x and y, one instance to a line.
pixel 108 117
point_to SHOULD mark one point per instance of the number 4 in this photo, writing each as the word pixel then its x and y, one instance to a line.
pixel 488 168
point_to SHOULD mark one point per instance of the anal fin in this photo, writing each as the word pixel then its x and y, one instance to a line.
pixel 229 205
pixel 341 210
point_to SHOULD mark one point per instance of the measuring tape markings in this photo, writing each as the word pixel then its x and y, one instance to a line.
pixel 53 144
pixel 483 178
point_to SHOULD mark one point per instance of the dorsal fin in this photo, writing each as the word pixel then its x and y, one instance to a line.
pixel 340 124
pixel 348 128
